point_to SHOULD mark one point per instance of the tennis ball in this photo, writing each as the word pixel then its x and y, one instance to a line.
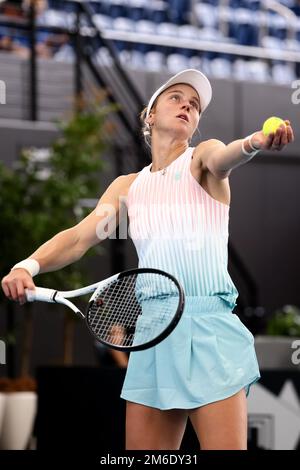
pixel 271 125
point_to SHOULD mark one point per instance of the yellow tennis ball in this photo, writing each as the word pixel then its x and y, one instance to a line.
pixel 271 125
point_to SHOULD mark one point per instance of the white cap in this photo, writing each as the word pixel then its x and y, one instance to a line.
pixel 192 77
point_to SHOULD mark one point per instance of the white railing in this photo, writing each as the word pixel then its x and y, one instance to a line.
pixel 202 45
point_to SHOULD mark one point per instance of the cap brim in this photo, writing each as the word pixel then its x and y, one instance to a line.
pixel 191 77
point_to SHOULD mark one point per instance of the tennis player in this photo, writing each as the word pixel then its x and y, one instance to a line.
pixel 178 209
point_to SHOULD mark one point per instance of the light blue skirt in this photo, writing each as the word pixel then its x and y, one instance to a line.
pixel 209 356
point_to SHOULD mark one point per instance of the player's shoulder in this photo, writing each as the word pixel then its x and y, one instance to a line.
pixel 123 182
pixel 202 150
pixel 126 179
pixel 205 144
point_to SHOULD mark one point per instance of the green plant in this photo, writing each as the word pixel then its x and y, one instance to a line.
pixel 285 322
pixel 37 201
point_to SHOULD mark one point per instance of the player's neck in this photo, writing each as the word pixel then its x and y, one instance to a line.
pixel 164 153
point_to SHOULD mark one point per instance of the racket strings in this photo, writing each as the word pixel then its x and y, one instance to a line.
pixel 133 309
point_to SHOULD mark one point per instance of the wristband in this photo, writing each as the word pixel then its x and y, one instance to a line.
pixel 254 150
pixel 31 265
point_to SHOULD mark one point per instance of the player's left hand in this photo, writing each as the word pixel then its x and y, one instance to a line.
pixel 275 140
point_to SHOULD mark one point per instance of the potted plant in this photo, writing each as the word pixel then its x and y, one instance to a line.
pixel 38 197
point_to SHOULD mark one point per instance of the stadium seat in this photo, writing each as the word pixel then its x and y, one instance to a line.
pixel 254 70
pixel 270 42
pixel 209 34
pixel 65 54
pixel 137 60
pixel 206 15
pixel 258 71
pixel 221 68
pixel 240 70
pixel 176 62
pixel 123 24
pixel 103 21
pixel 155 61
pixel 103 57
pixel 188 32
pixel 283 74
pixel 146 27
pixel 167 29
pixel 195 62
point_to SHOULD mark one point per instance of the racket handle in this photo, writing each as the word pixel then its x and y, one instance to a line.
pixel 41 294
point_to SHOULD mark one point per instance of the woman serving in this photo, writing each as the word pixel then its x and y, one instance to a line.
pixel 178 209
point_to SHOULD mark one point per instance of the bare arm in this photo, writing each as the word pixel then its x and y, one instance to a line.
pixel 70 245
pixel 220 159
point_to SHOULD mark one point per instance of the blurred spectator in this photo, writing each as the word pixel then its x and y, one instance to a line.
pixel 16 40
pixel 12 8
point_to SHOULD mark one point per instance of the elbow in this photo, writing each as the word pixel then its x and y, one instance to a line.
pixel 219 172
pixel 217 169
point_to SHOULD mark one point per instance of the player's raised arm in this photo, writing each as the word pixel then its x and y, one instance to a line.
pixel 220 159
pixel 70 245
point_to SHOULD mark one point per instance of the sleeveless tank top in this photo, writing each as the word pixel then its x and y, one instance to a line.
pixel 176 226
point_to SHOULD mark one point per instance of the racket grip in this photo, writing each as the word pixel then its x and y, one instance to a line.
pixel 41 294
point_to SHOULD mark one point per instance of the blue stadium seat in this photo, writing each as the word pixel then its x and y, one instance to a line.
pixel 137 60
pixel 123 24
pixel 210 34
pixel 146 27
pixel 271 42
pixel 221 68
pixel 103 56
pixel 283 73
pixel 258 71
pixel 155 61
pixel 103 21
pixel 116 10
pixel 206 15
pixel 240 70
pixel 179 11
pixel 188 31
pixel 167 29
pixel 195 62
pixel 291 45
pixel 243 70
pixel 244 27
pixel 277 26
pixel 65 54
pixel 158 16
pixel 177 62
pixel 56 18
pixel 137 13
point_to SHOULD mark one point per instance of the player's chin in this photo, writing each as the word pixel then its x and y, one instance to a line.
pixel 182 133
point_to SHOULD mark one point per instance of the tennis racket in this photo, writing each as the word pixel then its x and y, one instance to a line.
pixel 129 311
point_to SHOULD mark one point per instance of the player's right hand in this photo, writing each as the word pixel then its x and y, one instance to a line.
pixel 15 283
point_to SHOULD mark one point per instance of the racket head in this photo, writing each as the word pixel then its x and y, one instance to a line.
pixel 137 310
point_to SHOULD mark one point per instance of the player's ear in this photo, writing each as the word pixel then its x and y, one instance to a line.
pixel 149 120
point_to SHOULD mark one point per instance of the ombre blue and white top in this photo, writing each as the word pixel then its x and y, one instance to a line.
pixel 178 227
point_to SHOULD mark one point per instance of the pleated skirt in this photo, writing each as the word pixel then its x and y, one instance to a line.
pixel 209 356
